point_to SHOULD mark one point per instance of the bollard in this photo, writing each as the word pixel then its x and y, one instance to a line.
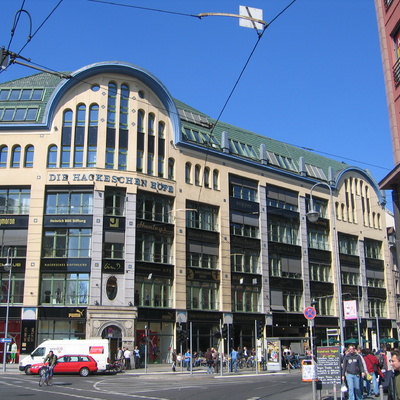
pixel 381 392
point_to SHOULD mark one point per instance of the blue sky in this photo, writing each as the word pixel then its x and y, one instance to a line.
pixel 315 79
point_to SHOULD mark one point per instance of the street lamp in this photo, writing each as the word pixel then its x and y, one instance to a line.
pixel 7 267
pixel 313 216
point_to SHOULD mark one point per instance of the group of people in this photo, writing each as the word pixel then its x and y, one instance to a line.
pixel 128 358
pixel 364 370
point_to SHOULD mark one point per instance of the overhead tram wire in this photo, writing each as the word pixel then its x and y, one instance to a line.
pixel 260 35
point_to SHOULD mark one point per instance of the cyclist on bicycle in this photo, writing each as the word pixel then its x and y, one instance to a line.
pixel 51 360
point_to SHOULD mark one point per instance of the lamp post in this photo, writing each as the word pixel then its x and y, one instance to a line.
pixel 7 267
pixel 313 216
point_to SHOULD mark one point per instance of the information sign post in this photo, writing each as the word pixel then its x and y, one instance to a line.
pixel 310 313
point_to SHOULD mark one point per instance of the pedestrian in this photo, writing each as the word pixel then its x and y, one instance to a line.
pixel 188 359
pixel 136 357
pixel 120 354
pixel 373 369
pixel 174 359
pixel 353 372
pixel 209 361
pixel 14 349
pixel 127 356
pixel 391 381
pixel 233 363
pixel 216 360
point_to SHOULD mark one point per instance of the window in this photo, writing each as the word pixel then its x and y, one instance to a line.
pixel 3 156
pixel 123 128
pixel 244 189
pixel 283 230
pixel 244 223
pixel 348 244
pixel 21 94
pixel 282 198
pixel 292 300
pixel 79 141
pixel 155 292
pixel 69 202
pixel 60 330
pixel 16 288
pixel 111 288
pixel 67 243
pixel 114 202
pixel 16 157
pixel 153 248
pixel 19 114
pixel 318 237
pixel 154 208
pixel 66 139
pixel 111 117
pixel 377 308
pixel 92 136
pixel 206 177
pixel 171 168
pixel 29 153
pixel 320 272
pixel 14 200
pixel 202 296
pixel 245 260
pixel 52 157
pixel 188 172
pixel 350 278
pixel 373 249
pixel 284 266
pixel 202 254
pixel 216 179
pixel 245 298
pixel 201 216
pixel 324 303
pixel 64 289
pixel 140 121
pixel 197 170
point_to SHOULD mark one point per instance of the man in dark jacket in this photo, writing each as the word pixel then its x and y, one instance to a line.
pixel 392 378
pixel 353 371
pixel 51 360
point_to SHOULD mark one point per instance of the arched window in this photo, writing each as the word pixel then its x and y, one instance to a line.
pixel 215 179
pixel 171 168
pixel 206 177
pixel 161 129
pixel 111 112
pixel 188 172
pixel 79 142
pixel 150 124
pixel 197 170
pixel 29 153
pixel 123 128
pixel 66 139
pixel 16 157
pixel 52 157
pixel 92 135
pixel 3 156
pixel 140 121
pixel 140 141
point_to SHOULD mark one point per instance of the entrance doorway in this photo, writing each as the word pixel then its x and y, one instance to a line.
pixel 114 335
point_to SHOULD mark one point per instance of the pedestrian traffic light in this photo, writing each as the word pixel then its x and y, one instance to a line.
pixel 224 331
pixel 260 329
pixel 181 335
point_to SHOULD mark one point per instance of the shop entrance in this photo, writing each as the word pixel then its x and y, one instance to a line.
pixel 114 336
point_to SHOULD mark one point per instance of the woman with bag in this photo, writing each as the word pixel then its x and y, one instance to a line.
pixel 374 372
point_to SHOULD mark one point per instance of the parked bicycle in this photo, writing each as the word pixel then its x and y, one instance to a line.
pixel 46 378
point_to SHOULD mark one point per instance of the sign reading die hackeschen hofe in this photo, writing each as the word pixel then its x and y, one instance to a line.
pixel 328 365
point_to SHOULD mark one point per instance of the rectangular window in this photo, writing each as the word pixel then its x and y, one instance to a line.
pixel 153 248
pixel 14 201
pixel 245 299
pixel 201 216
pixel 67 243
pixel 156 293
pixel 16 288
pixel 154 208
pixel 283 230
pixel 69 202
pixel 202 296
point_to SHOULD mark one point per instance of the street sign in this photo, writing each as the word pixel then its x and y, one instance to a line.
pixel 310 312
pixel 5 340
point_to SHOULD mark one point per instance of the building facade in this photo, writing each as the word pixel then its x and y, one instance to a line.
pixel 126 214
pixel 388 17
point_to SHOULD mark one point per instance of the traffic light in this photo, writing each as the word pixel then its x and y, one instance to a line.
pixel 181 335
pixel 217 335
pixel 260 329
pixel 224 331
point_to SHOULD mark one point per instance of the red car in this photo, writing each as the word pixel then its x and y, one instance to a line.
pixel 71 364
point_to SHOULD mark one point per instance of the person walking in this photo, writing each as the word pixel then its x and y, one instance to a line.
pixel 188 359
pixel 174 359
pixel 373 369
pixel 391 381
pixel 233 366
pixel 353 372
pixel 127 356
pixel 209 361
pixel 136 357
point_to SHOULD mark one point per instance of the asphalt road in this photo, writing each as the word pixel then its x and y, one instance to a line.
pixel 279 386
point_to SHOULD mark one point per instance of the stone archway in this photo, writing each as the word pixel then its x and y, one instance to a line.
pixel 114 335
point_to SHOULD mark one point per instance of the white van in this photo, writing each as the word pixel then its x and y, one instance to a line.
pixel 97 348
